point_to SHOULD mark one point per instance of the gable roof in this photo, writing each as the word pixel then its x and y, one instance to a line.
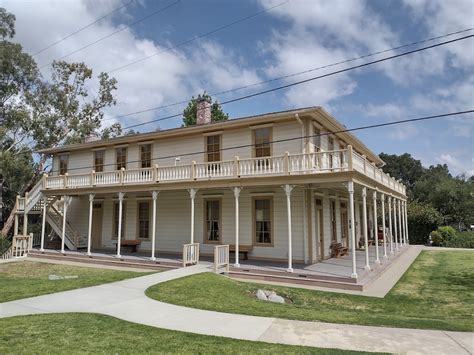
pixel 315 111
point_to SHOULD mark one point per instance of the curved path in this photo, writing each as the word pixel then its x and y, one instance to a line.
pixel 127 300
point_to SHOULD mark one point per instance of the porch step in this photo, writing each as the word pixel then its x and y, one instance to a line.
pixel 110 261
pixel 283 277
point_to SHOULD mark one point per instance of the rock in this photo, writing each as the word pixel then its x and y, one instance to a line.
pixel 71 277
pixel 55 277
pixel 261 295
pixel 268 293
pixel 275 298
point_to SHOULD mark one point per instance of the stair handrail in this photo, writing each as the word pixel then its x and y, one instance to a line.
pixel 70 234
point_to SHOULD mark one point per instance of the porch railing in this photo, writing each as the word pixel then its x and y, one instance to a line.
pixel 296 164
pixel 221 257
pixel 190 254
pixel 20 247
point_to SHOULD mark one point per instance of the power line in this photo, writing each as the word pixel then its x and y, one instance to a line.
pixel 360 128
pixel 206 34
pixel 83 28
pixel 295 74
pixel 312 79
pixel 117 31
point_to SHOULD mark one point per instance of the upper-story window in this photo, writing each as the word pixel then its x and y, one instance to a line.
pixel 121 158
pixel 145 155
pixel 213 148
pixel 99 157
pixel 317 139
pixel 63 163
pixel 262 139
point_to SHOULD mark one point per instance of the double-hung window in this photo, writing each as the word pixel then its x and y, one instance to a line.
pixel 99 156
pixel 262 139
pixel 145 155
pixel 143 220
pixel 63 163
pixel 263 219
pixel 213 220
pixel 120 158
pixel 213 148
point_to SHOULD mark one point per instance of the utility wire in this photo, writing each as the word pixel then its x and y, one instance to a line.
pixel 294 74
pixel 310 79
pixel 117 31
pixel 206 34
pixel 360 128
pixel 82 28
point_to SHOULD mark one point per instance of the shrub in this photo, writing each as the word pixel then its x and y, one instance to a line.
pixel 443 236
pixel 4 245
pixel 462 240
pixel 422 219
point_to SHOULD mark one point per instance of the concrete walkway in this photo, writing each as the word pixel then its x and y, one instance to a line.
pixel 126 300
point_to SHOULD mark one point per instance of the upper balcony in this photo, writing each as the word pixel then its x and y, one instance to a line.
pixel 294 164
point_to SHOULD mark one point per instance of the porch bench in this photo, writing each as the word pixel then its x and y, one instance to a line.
pixel 132 244
pixel 337 250
pixel 243 249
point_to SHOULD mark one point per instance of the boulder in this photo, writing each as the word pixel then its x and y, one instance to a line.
pixel 55 277
pixel 261 295
pixel 275 298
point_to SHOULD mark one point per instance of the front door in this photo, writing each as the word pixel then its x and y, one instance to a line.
pixel 97 225
pixel 320 228
pixel 344 227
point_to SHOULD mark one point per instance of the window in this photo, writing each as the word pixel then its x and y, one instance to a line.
pixel 317 139
pixel 99 160
pixel 63 162
pixel 333 221
pixel 331 148
pixel 116 219
pixel 262 138
pixel 145 155
pixel 263 221
pixel 213 227
pixel 213 148
pixel 121 158
pixel 144 220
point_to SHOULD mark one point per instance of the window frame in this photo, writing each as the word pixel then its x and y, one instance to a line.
pixel 254 222
pixel 115 219
pixel 254 141
pixel 60 162
pixel 116 156
pixel 206 146
pixel 140 146
pixel 205 227
pixel 150 217
pixel 94 158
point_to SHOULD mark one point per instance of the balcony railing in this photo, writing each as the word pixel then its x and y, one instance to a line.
pixel 297 164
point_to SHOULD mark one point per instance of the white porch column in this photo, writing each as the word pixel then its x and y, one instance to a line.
pixel 400 224
pixel 288 188
pixel 402 221
pixel 154 196
pixel 63 232
pixel 89 233
pixel 364 227
pixel 395 223
pixel 390 223
pixel 192 194
pixel 121 195
pixel 43 224
pixel 406 222
pixel 382 201
pixel 350 189
pixel 25 223
pixel 376 232
pixel 236 197
pixel 15 228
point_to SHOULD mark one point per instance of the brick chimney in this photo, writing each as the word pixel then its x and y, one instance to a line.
pixel 203 115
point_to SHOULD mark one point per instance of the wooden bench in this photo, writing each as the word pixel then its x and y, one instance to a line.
pixel 132 244
pixel 243 249
pixel 338 250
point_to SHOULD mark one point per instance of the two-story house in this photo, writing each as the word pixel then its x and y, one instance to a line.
pixel 283 186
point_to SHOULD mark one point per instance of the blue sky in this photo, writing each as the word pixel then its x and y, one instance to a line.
pixel 296 36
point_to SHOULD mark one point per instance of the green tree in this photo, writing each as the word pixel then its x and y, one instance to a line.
pixel 422 219
pixel 403 167
pixel 189 113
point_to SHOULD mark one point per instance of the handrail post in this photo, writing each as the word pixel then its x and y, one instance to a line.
pixel 216 257
pixel 45 184
pixel 349 158
pixel 65 180
pixel 286 160
pixel 92 177
pixel 365 164
pixel 236 166
pixel 155 173
pixel 193 170
pixel 122 171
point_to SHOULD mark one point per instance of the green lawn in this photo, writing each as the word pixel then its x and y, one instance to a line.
pixel 435 293
pixel 83 333
pixel 26 278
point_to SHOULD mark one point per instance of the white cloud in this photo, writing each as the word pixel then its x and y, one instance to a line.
pixel 165 78
pixel 456 165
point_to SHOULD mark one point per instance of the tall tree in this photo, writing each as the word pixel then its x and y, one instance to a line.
pixel 190 112
pixel 403 167
pixel 36 114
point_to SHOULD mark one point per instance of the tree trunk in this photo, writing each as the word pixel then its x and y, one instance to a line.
pixel 9 222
